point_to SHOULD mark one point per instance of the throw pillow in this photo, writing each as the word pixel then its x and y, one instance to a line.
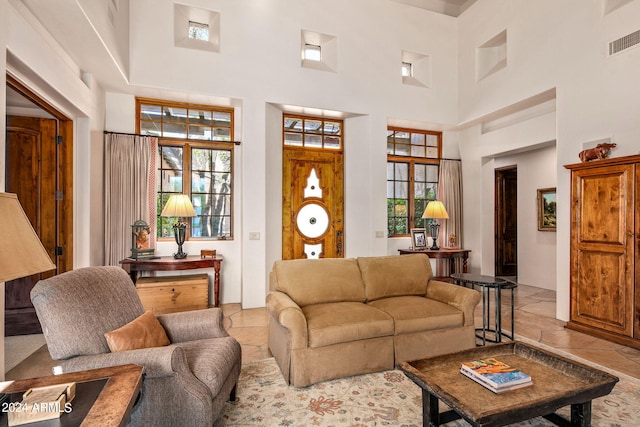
pixel 143 332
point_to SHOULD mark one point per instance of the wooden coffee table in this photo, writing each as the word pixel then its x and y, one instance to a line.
pixel 557 382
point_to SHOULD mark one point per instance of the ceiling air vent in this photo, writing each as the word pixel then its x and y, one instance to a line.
pixel 624 42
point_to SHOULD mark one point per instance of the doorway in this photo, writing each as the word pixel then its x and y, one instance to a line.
pixel 313 209
pixel 506 221
pixel 39 165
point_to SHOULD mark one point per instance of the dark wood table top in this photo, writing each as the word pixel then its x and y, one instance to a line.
pixel 169 263
pixel 115 401
pixel 557 382
pixel 439 253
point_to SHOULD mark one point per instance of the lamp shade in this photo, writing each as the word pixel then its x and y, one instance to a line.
pixel 435 209
pixel 178 205
pixel 21 251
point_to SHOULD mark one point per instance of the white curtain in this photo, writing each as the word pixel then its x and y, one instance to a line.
pixel 450 194
pixel 129 191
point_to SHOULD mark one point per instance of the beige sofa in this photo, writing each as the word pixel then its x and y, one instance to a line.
pixel 332 318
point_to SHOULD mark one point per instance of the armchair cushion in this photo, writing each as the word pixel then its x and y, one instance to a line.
pixel 211 360
pixel 143 332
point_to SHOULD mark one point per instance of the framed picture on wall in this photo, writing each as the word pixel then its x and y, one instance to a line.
pixel 547 209
pixel 419 238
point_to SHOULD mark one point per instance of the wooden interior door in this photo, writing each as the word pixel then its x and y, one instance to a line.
pixel 506 222
pixel 313 204
pixel 602 234
pixel 31 173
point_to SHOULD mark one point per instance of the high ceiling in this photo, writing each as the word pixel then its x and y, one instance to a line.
pixel 92 56
pixel 448 7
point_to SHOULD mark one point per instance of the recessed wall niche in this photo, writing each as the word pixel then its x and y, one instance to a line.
pixel 183 15
pixel 491 56
pixel 420 69
pixel 328 51
pixel 609 6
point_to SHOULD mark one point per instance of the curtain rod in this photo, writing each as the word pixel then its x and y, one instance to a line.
pixel 457 160
pixel 137 134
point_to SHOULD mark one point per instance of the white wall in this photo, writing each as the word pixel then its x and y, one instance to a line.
pixel 258 66
pixel 550 45
pixel 34 58
pixel 556 55
pixel 536 169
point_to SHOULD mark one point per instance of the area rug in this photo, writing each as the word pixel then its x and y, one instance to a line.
pixel 381 399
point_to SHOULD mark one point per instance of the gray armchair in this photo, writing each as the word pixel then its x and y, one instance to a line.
pixel 186 383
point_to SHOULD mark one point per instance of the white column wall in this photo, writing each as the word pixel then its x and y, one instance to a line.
pixel 258 69
pixel 550 44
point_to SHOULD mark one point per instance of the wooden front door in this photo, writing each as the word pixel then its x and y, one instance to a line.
pixel 506 222
pixel 313 204
pixel 31 173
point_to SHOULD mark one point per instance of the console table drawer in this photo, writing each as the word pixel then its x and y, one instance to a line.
pixel 169 294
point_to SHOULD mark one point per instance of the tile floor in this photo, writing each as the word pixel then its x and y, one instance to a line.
pixel 534 319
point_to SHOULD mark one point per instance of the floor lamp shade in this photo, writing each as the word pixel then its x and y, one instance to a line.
pixel 21 251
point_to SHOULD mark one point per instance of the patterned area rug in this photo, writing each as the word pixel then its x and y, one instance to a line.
pixel 380 399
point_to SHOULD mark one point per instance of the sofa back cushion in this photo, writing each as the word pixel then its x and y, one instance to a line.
pixel 396 275
pixel 317 281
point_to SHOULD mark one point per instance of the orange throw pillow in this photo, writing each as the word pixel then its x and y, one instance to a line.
pixel 143 332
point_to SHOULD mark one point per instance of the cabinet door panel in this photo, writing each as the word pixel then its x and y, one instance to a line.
pixel 602 248
pixel 601 293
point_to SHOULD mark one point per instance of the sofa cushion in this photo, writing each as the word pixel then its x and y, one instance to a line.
pixel 341 322
pixel 395 275
pixel 318 281
pixel 417 314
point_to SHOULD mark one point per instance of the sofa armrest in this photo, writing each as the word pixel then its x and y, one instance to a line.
pixel 157 361
pixel 288 314
pixel 193 325
pixel 464 299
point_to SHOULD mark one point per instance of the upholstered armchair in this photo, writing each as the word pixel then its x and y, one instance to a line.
pixel 186 383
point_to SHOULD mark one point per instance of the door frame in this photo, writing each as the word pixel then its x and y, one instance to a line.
pixel 500 212
pixel 64 207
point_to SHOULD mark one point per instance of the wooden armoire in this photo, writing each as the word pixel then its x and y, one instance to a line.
pixel 605 249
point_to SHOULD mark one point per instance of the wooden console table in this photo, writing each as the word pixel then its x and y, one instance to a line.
pixel 114 401
pixel 169 263
pixel 457 259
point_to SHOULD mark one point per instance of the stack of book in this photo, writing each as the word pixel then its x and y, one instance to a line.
pixel 495 375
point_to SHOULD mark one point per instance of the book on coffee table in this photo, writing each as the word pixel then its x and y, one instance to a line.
pixel 495 375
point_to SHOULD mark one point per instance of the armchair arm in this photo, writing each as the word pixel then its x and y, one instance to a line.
pixel 193 325
pixel 157 361
pixel 464 299
pixel 289 315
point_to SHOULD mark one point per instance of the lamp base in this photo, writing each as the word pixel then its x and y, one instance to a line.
pixel 434 228
pixel 179 230
pixel 180 254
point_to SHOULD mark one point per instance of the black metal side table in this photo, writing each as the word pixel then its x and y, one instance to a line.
pixel 487 283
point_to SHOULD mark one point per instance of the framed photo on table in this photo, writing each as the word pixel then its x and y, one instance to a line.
pixel 547 209
pixel 419 238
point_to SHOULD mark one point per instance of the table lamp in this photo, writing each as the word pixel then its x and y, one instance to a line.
pixel 21 251
pixel 179 205
pixel 435 210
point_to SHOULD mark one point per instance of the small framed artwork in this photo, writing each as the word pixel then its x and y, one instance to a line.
pixel 419 238
pixel 547 209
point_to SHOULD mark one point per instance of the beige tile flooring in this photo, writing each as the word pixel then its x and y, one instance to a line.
pixel 534 319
